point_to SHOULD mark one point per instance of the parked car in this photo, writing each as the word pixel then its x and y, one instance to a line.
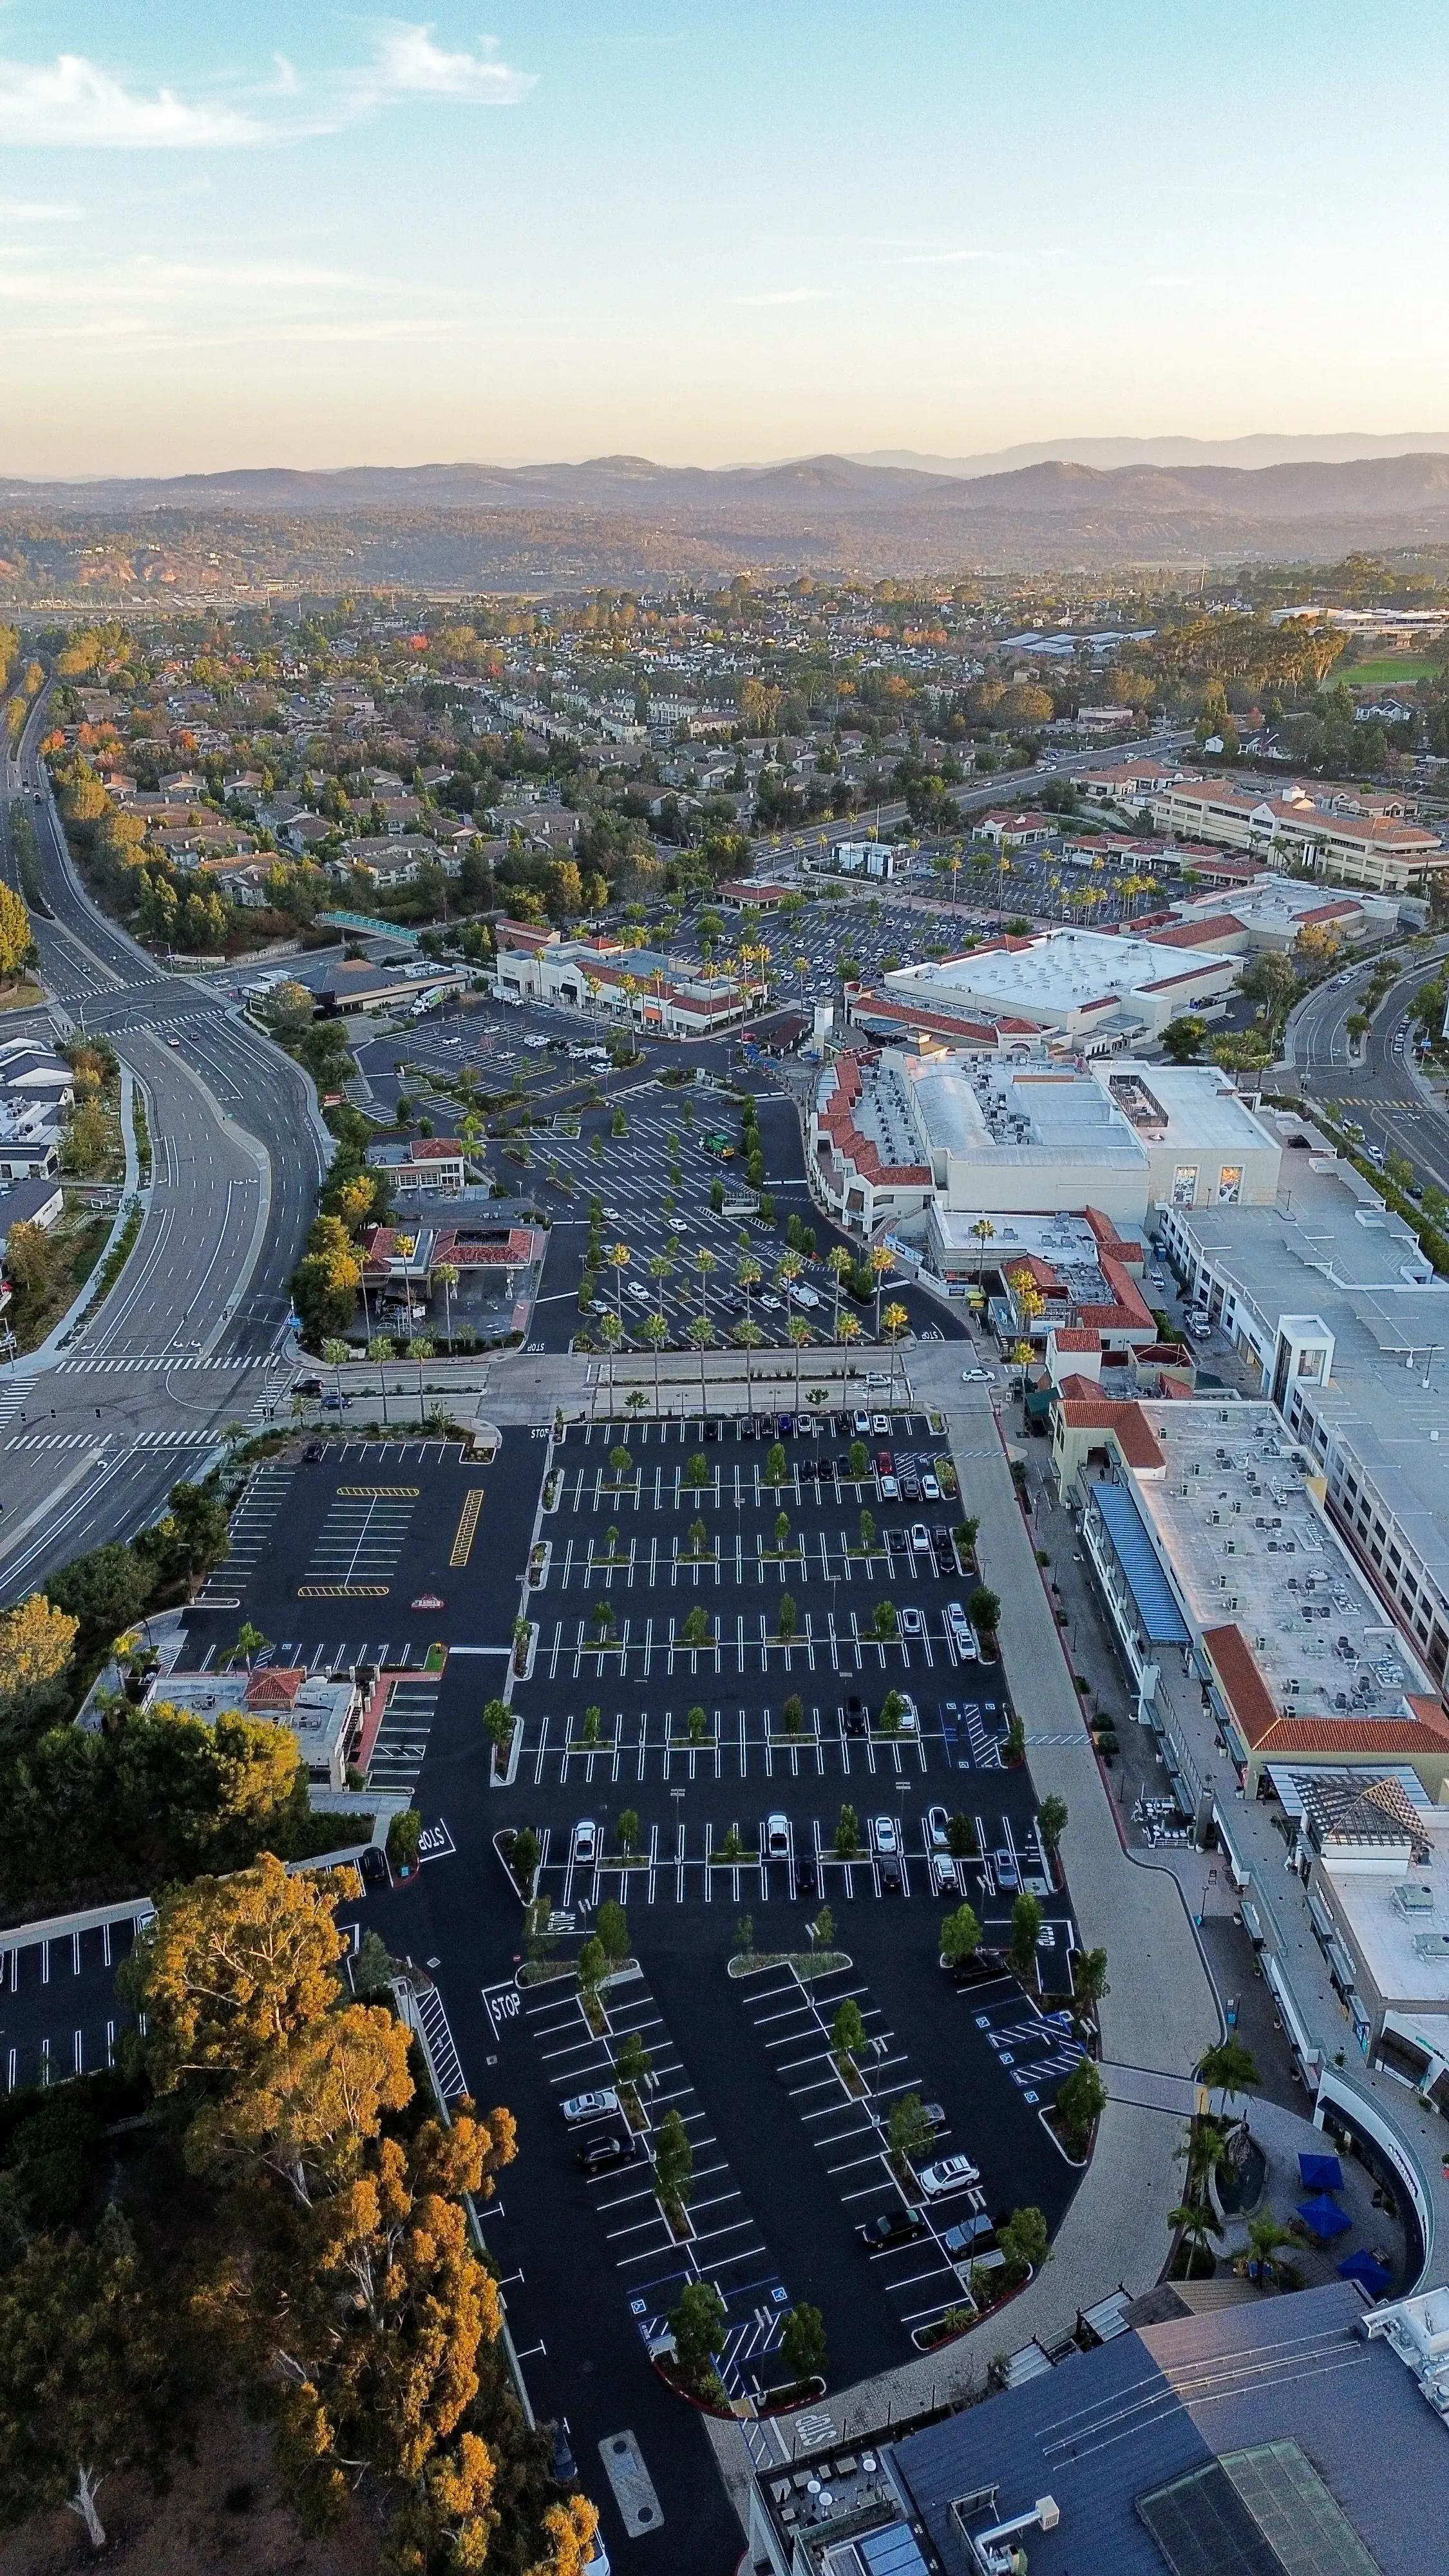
pixel 950 2173
pixel 920 1535
pixel 889 1489
pixel 908 1716
pixel 885 1836
pixel 857 1717
pixel 963 1635
pixel 335 1403
pixel 910 1485
pixel 930 1489
pixel 601 2104
pixel 314 1450
pixel 938 1829
pixel 967 2237
pixel 563 2468
pixel 637 1290
pixel 911 1622
pixel 777 1837
pixel 976 1377
pixel 885 1464
pixel 607 2147
pixel 880 1422
pixel 893 2227
pixel 585 1843
pixel 373 1864
pixel 860 1425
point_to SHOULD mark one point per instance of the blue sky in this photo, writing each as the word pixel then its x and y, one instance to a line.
pixel 306 235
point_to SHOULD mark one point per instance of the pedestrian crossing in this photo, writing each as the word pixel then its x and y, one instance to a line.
pixel 11 1400
pixel 151 1363
pixel 34 1441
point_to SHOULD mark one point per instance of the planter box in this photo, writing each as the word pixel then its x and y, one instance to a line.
pixel 540 1559
pixel 501 1775
pixel 678 2222
pixel 523 1666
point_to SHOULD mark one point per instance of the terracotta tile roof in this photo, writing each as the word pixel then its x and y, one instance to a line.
pixel 1124 1419
pixel 277 1687
pixel 1199 934
pixel 1266 1728
pixel 1072 1337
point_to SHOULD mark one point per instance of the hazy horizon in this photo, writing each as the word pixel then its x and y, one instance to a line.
pixel 319 240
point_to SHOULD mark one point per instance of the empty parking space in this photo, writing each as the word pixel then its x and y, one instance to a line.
pixel 402 1738
pixel 60 2014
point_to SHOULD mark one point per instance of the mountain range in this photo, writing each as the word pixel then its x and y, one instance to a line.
pixel 622 517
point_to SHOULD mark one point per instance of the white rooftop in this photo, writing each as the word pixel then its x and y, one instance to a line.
pixel 1182 1104
pixel 1058 970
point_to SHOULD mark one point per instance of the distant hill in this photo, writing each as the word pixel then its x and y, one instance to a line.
pixel 1338 447
pixel 613 518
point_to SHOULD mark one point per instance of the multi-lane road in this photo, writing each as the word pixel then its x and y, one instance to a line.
pixel 91 1438
pixel 1372 1082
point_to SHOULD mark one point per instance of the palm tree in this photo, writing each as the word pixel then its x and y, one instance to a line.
pixel 704 1262
pixel 749 1274
pixel 446 1275
pixel 847 1331
pixel 701 1333
pixel 984 1230
pixel 749 1338
pixel 335 1353
pixel 617 1257
pixel 799 1332
pixel 1266 2233
pixel 895 1320
pixel 1229 2068
pixel 879 1263
pixel 381 1349
pixel 837 1262
pixel 656 1334
pixel 421 1351
pixel 611 1334
pixel 1195 2222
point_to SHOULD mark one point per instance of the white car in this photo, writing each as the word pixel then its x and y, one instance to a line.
pixel 938 1829
pixel 948 2174
pixel 535 1043
pixel 930 1487
pixel 880 1422
pixel 963 1635
pixel 585 1843
pixel 921 1537
pixel 637 1290
pixel 860 1424
pixel 912 1623
pixel 772 1305
pixel 777 1837
pixel 976 1377
pixel 601 2105
pixel 885 1835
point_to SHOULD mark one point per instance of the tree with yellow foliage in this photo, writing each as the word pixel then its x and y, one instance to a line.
pixel 229 1968
pixel 35 1647
pixel 570 2528
pixel 310 2108
pixel 16 944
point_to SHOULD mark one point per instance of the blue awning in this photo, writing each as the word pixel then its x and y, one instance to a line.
pixel 1162 1621
pixel 1320 2173
pixel 1323 2217
pixel 1363 2266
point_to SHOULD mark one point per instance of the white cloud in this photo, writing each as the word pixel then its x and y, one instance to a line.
pixel 73 102
pixel 20 210
pixel 408 64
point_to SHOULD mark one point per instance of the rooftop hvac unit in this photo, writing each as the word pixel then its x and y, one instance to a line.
pixel 1293 1687
pixel 1230 1547
pixel 1215 1516
pixel 1260 1645
pixel 1231 1602
pixel 1182 1490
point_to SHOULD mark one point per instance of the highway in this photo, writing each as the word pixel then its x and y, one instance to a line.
pixel 1372 1083
pixel 194 1333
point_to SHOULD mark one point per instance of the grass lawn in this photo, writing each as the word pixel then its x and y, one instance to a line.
pixel 1386 667
pixel 23 996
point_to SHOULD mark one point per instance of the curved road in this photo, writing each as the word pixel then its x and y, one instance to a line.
pixel 1378 1087
pixel 194 1331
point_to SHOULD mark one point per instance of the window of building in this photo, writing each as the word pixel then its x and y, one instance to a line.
pixel 1184 1185
pixel 1230 1184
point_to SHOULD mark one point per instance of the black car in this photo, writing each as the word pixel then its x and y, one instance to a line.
pixel 805 1878
pixel 892 2227
pixel 603 2148
pixel 374 1868
pixel 563 2468
pixel 857 1717
pixel 784 1424
pixel 711 1430
pixel 314 1450
pixel 840 1425
pixel 307 1386
pixel 890 1879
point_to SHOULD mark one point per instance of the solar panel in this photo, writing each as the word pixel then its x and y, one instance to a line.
pixel 892 2552
pixel 1259 2512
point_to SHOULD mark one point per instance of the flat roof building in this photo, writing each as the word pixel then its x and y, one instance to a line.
pixel 1104 992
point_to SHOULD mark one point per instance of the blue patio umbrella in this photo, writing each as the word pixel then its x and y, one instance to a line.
pixel 1363 2266
pixel 1320 2173
pixel 1323 2217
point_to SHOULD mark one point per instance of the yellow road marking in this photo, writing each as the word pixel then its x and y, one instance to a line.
pixel 343 1591
pixel 395 1491
pixel 467 1529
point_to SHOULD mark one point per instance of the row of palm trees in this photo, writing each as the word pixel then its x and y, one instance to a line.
pixel 746 1334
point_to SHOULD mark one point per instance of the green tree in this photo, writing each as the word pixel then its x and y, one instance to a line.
pixel 803 2342
pixel 847 2030
pixel 593 1733
pixel 1023 2239
pixel 912 2134
pixel 867 1533
pixel 84 2370
pixel 611 1927
pixel 1229 2068
pixel 696 1629
pixel 1089 1975
pixel 626 1832
pixel 960 1936
pixel 786 1617
pixel 593 1965
pixel 525 1858
pixel 983 1609
pixel 856 1460
pixel 673 2158
pixel 697 2322
pixel 782 1532
pixel 1052 1821
pixel 1081 2098
pixel 892 1711
pixel 792 1714
pixel 695 1724
pixel 1197 2223
pixel 1025 1932
pixel 847 1833
pixel 498 1723
pixel 633 2064
pixel 961 1838
pixel 883 1620
pixel 1182 1039
pixel 776 1467
pixel 105 1590
pixel 697 1474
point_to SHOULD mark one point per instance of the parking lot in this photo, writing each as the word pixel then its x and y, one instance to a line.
pixel 59 2011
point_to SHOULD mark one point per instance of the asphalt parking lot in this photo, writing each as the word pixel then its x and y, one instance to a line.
pixel 59 2012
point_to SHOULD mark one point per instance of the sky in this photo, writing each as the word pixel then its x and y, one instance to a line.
pixel 524 229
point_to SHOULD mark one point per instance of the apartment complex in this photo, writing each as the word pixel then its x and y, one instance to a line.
pixel 1382 852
